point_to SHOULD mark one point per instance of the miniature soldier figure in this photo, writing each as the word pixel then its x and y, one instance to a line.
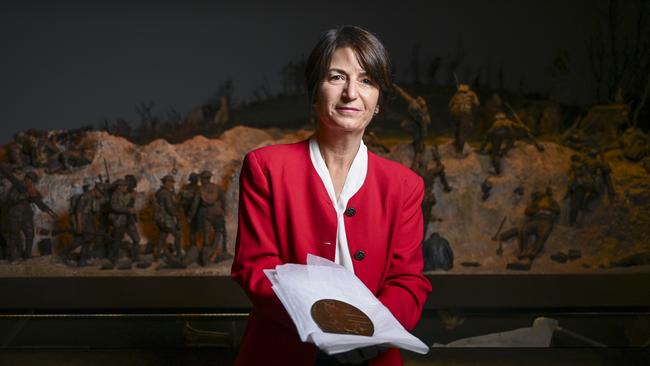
pixel 105 241
pixel 582 187
pixel 45 153
pixel 28 144
pixel 84 210
pixel 598 167
pixel 56 155
pixel 18 220
pixel 429 171
pixel 166 216
pixel 461 109
pixel 17 159
pixel 187 194
pixel 502 131
pixel 121 218
pixel 418 122
pixel 587 175
pixel 635 144
pixel 542 213
pixel 208 209
pixel 493 106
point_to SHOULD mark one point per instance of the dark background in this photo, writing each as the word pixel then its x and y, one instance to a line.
pixel 66 64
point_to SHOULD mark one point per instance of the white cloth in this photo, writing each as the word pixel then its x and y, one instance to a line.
pixel 299 286
pixel 539 335
pixel 353 182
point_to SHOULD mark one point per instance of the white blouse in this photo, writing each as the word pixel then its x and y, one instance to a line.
pixel 353 182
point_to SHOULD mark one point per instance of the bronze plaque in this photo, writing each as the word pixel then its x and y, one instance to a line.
pixel 334 316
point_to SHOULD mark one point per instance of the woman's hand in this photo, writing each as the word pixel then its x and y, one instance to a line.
pixel 359 355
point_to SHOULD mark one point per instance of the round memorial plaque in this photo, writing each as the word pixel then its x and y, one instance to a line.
pixel 334 316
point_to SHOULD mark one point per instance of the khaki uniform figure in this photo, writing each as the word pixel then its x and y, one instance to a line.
pixel 105 241
pixel 504 131
pixel 542 213
pixel 587 176
pixel 187 194
pixel 462 107
pixel 84 212
pixel 501 138
pixel 208 209
pixel 18 218
pixel 166 216
pixel 418 123
pixel 28 144
pixel 122 218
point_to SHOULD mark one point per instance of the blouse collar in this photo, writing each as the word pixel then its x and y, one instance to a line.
pixel 354 180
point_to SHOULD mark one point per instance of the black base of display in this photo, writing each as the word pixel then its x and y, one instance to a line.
pixel 220 293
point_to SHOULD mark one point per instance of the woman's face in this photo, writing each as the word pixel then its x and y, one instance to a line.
pixel 347 98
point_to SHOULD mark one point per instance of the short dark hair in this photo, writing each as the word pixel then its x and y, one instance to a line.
pixel 371 53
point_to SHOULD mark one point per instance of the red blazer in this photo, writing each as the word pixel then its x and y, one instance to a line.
pixel 285 213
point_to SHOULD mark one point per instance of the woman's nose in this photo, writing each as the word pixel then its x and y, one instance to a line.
pixel 350 91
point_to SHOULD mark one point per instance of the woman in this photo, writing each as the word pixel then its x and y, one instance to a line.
pixel 330 197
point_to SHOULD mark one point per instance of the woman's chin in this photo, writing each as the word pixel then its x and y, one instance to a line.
pixel 345 126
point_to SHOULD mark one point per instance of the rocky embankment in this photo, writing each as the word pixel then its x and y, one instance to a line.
pixel 609 231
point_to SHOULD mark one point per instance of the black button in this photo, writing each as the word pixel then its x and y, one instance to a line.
pixel 350 212
pixel 359 255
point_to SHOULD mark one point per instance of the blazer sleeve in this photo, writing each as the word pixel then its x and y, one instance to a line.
pixel 405 289
pixel 256 245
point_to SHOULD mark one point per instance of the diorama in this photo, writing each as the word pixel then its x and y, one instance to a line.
pixel 531 201
pixel 514 183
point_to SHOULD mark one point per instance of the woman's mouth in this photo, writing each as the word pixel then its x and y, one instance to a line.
pixel 347 109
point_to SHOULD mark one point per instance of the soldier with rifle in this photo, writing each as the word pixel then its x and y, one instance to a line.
pixel 167 217
pixel 501 138
pixel 208 209
pixel 18 219
pixel 122 218
pixel 587 176
pixel 187 194
pixel 418 122
pixel 105 186
pixel 523 127
pixel 462 107
pixel 84 211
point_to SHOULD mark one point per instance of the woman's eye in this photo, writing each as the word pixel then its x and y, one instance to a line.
pixel 337 77
pixel 366 81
